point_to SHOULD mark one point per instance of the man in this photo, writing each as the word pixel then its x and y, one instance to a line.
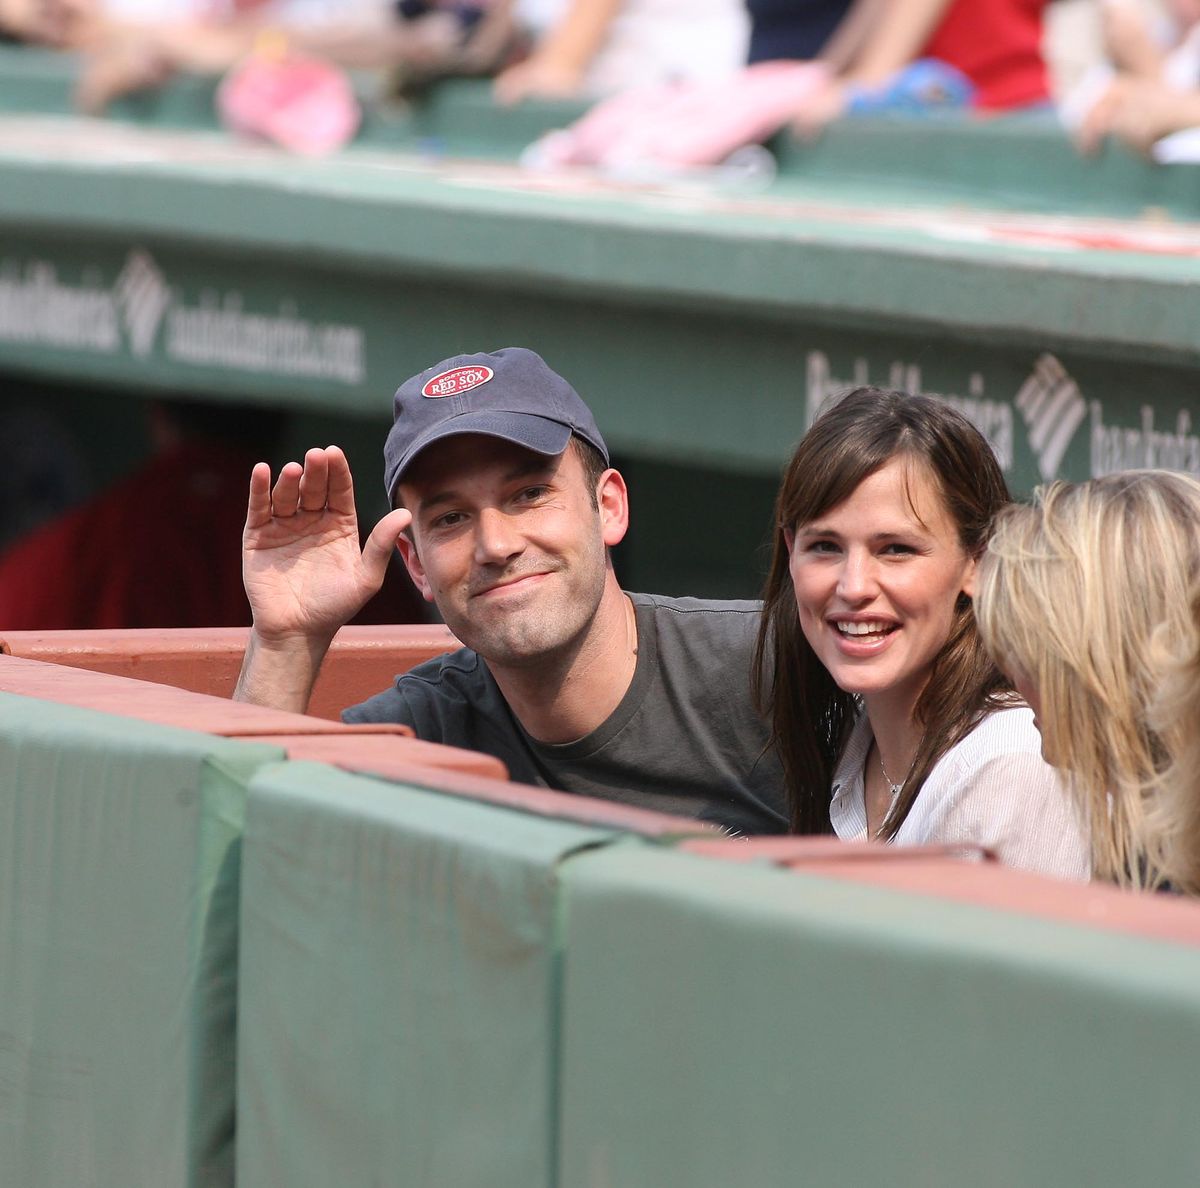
pixel 505 509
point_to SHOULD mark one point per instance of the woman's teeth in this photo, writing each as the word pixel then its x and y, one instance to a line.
pixel 863 628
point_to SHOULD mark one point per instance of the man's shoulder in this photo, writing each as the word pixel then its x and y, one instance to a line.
pixel 437 687
pixel 700 619
pixel 698 610
pixel 462 664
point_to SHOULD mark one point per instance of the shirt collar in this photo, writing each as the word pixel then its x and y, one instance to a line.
pixel 848 805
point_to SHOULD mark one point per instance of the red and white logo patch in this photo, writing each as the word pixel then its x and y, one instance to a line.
pixel 456 381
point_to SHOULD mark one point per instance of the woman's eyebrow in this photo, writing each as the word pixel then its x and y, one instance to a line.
pixel 878 537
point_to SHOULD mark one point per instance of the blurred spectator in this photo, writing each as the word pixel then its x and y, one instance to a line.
pixel 427 38
pixel 792 29
pixel 62 24
pixel 600 47
pixel 1073 44
pixel 990 49
pixel 1139 112
pixel 1152 86
pixel 160 547
pixel 1152 43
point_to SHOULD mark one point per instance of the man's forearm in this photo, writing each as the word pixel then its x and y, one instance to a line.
pixel 280 673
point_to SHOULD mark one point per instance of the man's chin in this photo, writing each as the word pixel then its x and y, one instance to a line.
pixel 529 641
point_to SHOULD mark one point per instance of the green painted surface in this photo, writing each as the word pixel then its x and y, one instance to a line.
pixel 677 367
pixel 740 1025
pixel 118 948
pixel 398 993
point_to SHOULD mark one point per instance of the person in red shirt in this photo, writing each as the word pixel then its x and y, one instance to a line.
pixel 993 45
pixel 160 547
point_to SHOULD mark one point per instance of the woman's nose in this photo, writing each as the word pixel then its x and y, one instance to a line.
pixel 857 579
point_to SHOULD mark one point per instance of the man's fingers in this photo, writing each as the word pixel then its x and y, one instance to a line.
pixel 340 494
pixel 314 481
pixel 321 482
pixel 285 496
pixel 378 550
pixel 258 510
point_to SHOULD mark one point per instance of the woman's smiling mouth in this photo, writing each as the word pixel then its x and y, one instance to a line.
pixel 862 636
pixel 869 627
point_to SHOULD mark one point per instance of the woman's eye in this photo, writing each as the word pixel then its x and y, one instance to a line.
pixel 898 549
pixel 822 546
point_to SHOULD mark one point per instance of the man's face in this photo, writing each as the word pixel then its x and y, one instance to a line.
pixel 509 544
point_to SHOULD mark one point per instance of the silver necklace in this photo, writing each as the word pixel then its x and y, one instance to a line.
pixel 895 788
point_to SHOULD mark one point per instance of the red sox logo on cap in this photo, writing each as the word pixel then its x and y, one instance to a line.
pixel 456 381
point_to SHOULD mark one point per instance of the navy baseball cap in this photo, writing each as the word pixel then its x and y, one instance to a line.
pixel 511 394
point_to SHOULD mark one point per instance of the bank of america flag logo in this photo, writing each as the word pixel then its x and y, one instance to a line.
pixel 143 296
pixel 1052 407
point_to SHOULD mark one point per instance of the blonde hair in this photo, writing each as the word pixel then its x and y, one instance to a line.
pixel 1176 714
pixel 1071 591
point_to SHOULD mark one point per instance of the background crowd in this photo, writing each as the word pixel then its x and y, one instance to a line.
pixel 1125 68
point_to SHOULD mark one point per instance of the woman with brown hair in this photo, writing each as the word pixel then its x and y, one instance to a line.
pixel 891 720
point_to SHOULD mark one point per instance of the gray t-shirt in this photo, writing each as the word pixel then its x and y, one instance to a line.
pixel 684 739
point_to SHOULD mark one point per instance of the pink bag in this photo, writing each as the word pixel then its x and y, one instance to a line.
pixel 685 124
pixel 304 104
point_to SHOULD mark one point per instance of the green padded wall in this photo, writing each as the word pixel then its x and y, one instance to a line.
pixel 118 917
pixel 727 1024
pixel 398 997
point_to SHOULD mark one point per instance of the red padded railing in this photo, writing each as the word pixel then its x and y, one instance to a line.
pixel 362 660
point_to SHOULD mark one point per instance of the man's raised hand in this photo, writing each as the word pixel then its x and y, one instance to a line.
pixel 304 572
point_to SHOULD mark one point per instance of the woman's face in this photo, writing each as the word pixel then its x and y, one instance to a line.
pixel 876 581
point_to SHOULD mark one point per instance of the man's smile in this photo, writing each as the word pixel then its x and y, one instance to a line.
pixel 513 584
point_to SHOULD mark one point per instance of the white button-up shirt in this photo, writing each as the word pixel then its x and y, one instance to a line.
pixel 993 789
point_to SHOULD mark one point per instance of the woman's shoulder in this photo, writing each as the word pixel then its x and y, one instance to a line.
pixel 1008 730
pixel 1000 757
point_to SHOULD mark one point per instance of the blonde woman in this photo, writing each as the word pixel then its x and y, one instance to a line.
pixel 1177 716
pixel 1071 591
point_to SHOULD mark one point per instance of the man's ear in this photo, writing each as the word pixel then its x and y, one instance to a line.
pixel 612 501
pixel 412 562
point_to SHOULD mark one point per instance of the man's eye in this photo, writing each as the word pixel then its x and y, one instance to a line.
pixel 532 494
pixel 449 520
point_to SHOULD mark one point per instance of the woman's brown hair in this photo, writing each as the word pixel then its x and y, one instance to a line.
pixel 809 715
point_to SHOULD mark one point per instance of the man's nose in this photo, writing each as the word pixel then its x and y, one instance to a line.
pixel 858 580
pixel 496 538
